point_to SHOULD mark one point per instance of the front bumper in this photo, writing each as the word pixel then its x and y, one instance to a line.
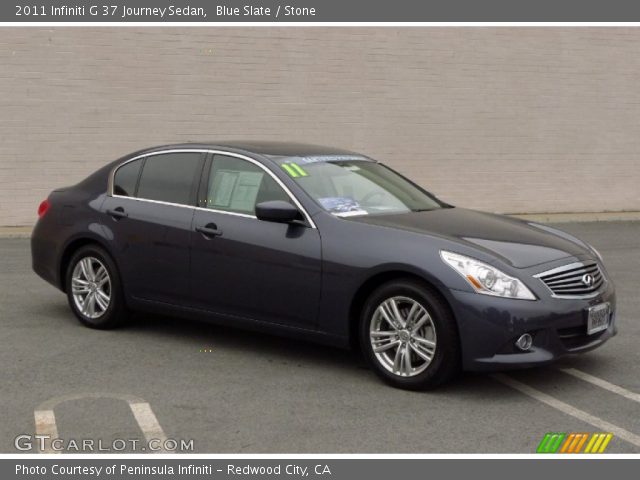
pixel 489 327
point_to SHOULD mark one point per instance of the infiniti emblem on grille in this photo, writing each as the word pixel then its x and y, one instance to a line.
pixel 587 280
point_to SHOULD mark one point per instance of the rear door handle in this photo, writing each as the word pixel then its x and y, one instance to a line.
pixel 209 230
pixel 117 213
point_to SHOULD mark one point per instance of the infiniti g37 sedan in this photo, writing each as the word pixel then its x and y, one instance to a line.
pixel 323 244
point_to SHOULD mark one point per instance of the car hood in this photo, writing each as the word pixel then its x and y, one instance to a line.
pixel 519 243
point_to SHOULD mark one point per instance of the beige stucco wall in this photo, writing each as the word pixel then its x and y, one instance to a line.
pixel 502 119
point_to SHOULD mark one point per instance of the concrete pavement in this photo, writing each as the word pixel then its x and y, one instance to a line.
pixel 233 391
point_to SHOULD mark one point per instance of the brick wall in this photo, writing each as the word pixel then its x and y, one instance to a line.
pixel 502 119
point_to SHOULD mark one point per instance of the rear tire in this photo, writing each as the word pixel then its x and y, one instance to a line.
pixel 94 290
pixel 409 336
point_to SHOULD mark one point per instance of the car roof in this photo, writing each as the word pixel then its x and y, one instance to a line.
pixel 265 148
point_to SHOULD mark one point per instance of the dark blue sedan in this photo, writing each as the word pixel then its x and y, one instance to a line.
pixel 326 245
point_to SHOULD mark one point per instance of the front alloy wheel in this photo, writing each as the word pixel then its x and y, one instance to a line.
pixel 409 336
pixel 402 336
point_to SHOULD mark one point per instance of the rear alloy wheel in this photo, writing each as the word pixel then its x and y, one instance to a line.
pixel 408 336
pixel 93 289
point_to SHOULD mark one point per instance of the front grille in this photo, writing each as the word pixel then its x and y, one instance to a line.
pixel 573 280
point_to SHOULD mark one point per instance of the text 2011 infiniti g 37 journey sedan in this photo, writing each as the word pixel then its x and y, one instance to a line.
pixel 324 244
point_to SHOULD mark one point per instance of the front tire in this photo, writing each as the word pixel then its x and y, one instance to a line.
pixel 409 336
pixel 94 290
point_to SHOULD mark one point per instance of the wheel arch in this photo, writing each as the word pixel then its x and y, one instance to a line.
pixel 73 246
pixel 380 278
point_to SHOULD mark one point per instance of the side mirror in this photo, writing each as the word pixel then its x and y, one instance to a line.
pixel 277 211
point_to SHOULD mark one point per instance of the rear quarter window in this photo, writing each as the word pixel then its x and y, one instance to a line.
pixel 126 179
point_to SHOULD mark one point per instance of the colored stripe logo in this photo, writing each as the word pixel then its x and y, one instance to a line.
pixel 574 442
pixel 598 443
pixel 294 170
pixel 550 443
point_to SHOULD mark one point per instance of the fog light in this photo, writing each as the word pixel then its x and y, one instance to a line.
pixel 524 342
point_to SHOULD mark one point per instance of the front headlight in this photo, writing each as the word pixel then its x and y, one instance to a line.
pixel 486 279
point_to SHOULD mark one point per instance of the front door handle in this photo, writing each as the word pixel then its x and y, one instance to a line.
pixel 209 230
pixel 117 213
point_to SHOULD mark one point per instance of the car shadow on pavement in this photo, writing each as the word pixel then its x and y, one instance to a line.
pixel 334 360
pixel 298 352
pixel 202 333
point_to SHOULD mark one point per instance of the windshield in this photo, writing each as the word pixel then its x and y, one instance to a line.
pixel 360 187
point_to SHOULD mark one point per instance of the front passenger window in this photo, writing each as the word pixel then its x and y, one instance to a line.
pixel 236 185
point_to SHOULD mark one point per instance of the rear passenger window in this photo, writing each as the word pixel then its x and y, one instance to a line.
pixel 170 177
pixel 126 178
pixel 236 185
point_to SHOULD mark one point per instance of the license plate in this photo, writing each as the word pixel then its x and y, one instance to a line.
pixel 598 319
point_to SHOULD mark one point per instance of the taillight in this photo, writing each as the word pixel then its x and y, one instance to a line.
pixel 44 206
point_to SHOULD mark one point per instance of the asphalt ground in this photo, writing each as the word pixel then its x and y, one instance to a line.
pixel 230 391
